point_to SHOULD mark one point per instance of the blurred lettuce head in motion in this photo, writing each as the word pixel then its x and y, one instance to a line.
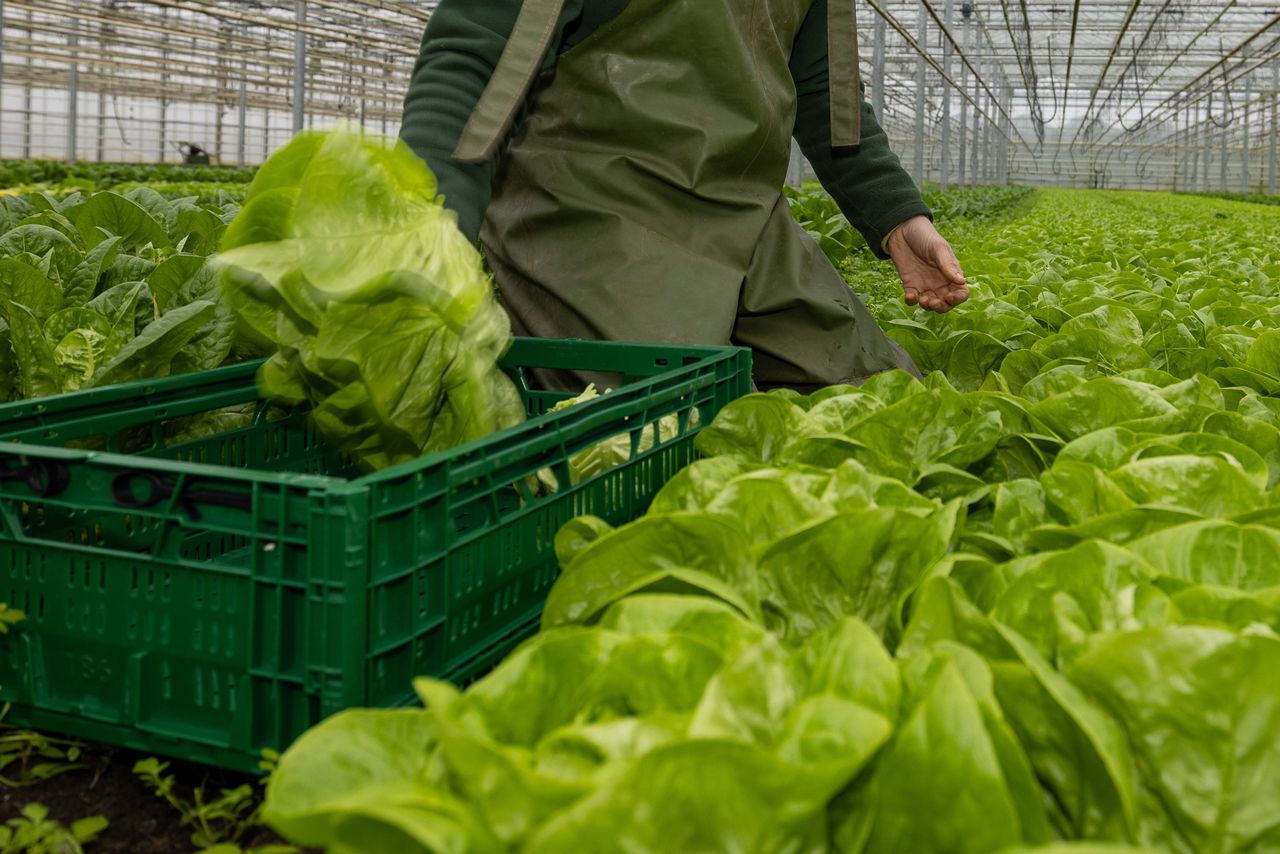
pixel 345 269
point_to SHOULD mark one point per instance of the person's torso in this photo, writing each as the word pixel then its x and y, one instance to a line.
pixel 693 88
pixel 672 121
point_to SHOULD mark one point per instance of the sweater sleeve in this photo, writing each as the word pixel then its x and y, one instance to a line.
pixel 867 181
pixel 460 50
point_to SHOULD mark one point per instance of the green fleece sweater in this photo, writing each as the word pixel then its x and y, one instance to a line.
pixel 465 39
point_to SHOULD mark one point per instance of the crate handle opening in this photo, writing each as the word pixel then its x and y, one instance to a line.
pixel 184 497
pixel 45 478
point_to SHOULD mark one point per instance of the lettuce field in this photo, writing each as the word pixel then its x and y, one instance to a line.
pixel 100 288
pixel 1031 602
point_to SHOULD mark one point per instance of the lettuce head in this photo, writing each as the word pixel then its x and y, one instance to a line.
pixel 345 269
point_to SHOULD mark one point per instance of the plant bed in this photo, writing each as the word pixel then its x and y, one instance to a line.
pixel 102 783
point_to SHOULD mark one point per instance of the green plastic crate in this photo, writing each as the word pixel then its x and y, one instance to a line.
pixel 208 598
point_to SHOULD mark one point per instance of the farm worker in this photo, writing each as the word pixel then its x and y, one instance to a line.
pixel 623 162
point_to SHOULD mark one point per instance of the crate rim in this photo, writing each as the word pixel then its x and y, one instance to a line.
pixel 70 401
pixel 580 413
pixel 585 415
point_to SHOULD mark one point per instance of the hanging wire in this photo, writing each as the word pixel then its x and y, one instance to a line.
pixel 1228 111
pixel 1033 90
pixel 1053 90
pixel 922 50
pixel 115 115
pixel 1262 58
pixel 1023 55
pixel 1066 90
pixel 1132 73
pixel 1180 9
pixel 1206 76
pixel 1133 69
pixel 1102 75
pixel 1144 163
pixel 1071 55
pixel 111 76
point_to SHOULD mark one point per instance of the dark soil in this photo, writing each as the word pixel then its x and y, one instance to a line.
pixel 140 822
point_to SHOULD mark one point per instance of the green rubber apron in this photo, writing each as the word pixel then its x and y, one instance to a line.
pixel 642 200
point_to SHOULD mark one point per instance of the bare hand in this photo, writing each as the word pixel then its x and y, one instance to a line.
pixel 931 275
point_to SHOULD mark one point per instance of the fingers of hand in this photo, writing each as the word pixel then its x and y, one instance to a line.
pixel 932 276
pixel 937 296
pixel 956 295
pixel 945 260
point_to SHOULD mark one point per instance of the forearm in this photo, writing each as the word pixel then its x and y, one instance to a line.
pixel 460 50
pixel 867 182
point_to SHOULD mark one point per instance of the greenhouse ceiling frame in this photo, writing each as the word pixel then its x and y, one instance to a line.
pixel 1143 93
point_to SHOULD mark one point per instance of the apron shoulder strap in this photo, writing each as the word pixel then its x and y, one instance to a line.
pixel 535 26
pixel 496 111
pixel 845 75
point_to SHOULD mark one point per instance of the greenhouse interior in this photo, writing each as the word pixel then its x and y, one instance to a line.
pixel 646 426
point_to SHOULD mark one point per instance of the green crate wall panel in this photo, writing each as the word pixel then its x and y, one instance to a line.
pixel 214 597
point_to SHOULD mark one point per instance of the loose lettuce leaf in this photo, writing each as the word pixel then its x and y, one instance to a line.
pixel 864 563
pixel 104 215
pixel 361 781
pixel 1211 777
pixel 695 553
pixel 1080 755
pixel 153 352
pixel 38 371
pixel 951 760
pixel 1215 552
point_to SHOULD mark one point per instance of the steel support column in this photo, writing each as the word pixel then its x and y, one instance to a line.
pixel 1244 140
pixel 266 111
pixel 877 68
pixel 364 56
pixel 1 57
pixel 26 99
pixel 385 73
pixel 1180 165
pixel 1191 155
pixel 976 150
pixel 299 66
pixel 164 82
pixel 73 94
pixel 987 165
pixel 964 105
pixel 944 155
pixel 1207 152
pixel 101 143
pixel 1174 163
pixel 1223 156
pixel 1004 94
pixel 243 113
pixel 1275 127
pixel 917 158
